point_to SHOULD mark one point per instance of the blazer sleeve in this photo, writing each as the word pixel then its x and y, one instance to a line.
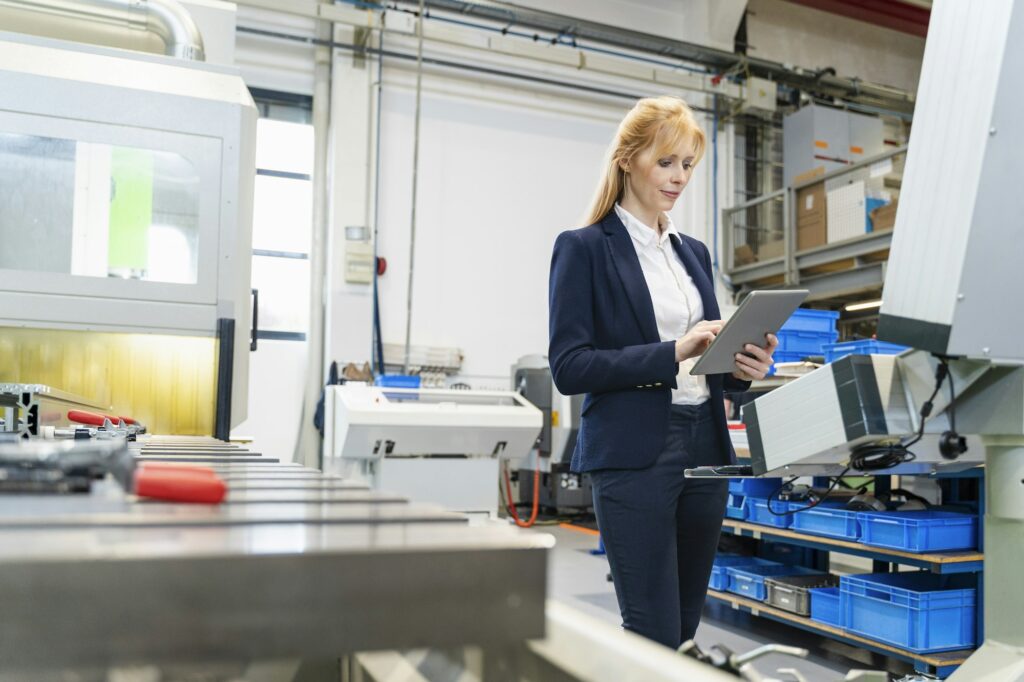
pixel 730 384
pixel 577 366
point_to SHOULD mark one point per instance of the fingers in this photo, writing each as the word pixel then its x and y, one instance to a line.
pixel 758 353
pixel 752 367
pixel 773 343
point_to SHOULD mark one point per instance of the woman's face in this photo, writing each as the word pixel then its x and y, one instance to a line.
pixel 657 181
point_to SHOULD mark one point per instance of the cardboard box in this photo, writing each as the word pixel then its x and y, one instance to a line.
pixel 811 233
pixel 884 217
pixel 772 249
pixel 743 255
pixel 810 203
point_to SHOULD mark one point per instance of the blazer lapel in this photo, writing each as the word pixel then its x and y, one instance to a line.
pixel 700 278
pixel 628 266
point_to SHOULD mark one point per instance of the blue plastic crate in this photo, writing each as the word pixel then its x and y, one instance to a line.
pixel 755 487
pixel 398 381
pixel 834 351
pixel 808 320
pixel 719 578
pixel 748 579
pixel 806 343
pixel 826 607
pixel 828 520
pixel 919 611
pixel 757 512
pixel 734 507
pixel 919 531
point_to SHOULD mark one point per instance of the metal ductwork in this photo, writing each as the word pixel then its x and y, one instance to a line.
pixel 166 19
pixel 720 61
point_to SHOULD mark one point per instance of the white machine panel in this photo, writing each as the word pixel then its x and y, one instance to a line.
pixel 956 246
pixel 371 422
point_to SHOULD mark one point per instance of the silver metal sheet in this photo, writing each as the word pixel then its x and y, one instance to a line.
pixel 204 459
pixel 108 596
pixel 242 484
pixel 311 496
pixel 110 514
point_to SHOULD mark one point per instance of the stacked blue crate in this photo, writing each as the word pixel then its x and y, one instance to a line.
pixel 834 351
pixel 805 333
pixel 919 531
pixel 748 579
pixel 918 611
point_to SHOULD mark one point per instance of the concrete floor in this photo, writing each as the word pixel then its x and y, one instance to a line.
pixel 579 579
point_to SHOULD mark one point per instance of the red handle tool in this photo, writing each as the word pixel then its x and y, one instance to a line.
pixel 174 484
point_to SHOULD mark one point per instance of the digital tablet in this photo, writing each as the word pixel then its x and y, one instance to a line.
pixel 762 312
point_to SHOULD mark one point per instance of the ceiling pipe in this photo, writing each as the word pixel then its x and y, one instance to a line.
pixel 166 19
pixel 719 61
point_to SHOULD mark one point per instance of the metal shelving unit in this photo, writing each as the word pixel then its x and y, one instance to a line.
pixel 837 269
pixel 945 563
pixel 941 664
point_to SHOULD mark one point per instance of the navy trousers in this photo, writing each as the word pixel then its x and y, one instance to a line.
pixel 661 530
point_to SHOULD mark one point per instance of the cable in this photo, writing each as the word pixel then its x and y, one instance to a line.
pixel 814 504
pixel 875 456
pixel 536 498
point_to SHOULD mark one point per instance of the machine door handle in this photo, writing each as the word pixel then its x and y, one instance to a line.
pixel 254 333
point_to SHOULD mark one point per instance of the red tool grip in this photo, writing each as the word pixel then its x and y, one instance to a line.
pixel 180 467
pixel 83 417
pixel 175 486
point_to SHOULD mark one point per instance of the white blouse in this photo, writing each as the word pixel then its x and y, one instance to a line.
pixel 677 304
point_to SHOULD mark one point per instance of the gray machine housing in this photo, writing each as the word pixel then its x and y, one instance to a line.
pixel 560 489
pixel 860 400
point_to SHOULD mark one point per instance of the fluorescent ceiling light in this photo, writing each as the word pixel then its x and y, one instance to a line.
pixel 863 305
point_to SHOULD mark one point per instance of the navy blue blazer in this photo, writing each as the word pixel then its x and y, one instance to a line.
pixel 604 342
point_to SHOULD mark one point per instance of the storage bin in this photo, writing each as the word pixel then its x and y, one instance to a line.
pixel 792 592
pixel 825 606
pixel 919 531
pixel 919 611
pixel 828 520
pixel 398 381
pixel 756 509
pixel 734 508
pixel 834 351
pixel 719 579
pixel 805 343
pixel 748 579
pixel 754 487
pixel 808 320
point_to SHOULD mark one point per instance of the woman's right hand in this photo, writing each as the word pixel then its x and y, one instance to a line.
pixel 697 340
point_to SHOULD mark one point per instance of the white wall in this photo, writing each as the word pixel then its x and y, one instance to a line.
pixel 503 170
pixel 801 36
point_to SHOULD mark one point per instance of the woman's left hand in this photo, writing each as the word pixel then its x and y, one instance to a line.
pixel 753 364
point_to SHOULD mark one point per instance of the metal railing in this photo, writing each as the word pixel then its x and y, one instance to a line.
pixel 760 236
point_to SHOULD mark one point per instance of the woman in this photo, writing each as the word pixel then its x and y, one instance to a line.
pixel 632 304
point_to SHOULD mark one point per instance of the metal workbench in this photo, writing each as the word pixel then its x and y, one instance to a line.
pixel 294 565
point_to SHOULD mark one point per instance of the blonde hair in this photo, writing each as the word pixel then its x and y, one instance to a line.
pixel 660 124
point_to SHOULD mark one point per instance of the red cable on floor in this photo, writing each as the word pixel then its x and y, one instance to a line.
pixel 536 498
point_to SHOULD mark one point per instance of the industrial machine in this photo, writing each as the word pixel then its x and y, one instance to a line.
pixel 126 183
pixel 950 292
pixel 434 445
pixel 560 490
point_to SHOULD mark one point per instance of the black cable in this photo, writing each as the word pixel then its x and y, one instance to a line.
pixel 812 505
pixel 952 401
pixel 876 457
